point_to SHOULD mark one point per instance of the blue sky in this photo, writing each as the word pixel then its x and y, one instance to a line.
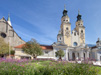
pixel 41 19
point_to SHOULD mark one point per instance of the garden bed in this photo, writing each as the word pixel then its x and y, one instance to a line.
pixel 37 67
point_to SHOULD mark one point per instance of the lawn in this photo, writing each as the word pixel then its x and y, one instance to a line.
pixel 40 67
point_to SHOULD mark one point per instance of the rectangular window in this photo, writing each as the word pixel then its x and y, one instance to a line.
pixel 46 52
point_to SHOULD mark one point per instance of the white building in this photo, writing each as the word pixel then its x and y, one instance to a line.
pixel 96 51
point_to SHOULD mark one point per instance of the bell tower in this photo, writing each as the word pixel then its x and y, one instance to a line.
pixel 80 28
pixel 66 28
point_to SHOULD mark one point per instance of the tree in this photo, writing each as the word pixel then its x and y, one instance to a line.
pixel 12 52
pixel 4 47
pixel 60 54
pixel 32 48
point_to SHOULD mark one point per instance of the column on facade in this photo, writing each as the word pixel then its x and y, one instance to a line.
pixel 76 56
pixel 81 54
pixel 70 55
pixel 87 54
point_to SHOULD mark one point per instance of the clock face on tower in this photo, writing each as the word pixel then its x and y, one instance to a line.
pixel 67 33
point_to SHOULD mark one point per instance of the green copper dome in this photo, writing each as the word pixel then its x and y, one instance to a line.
pixel 79 16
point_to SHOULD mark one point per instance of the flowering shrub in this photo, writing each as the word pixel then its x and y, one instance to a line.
pixel 35 67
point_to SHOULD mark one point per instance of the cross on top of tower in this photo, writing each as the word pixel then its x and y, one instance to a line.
pixel 64 6
pixel 79 12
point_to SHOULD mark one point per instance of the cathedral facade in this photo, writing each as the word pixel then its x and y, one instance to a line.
pixel 71 42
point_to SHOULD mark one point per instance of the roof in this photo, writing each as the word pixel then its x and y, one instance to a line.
pixel 44 47
pixel 19 46
pixel 59 34
pixel 93 47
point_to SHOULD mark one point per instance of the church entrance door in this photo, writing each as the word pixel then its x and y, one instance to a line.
pixel 84 56
pixel 73 56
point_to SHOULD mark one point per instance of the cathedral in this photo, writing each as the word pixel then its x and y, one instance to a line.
pixel 71 42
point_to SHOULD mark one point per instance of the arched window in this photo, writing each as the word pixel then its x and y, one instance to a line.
pixel 78 55
pixel 67 28
pixel 75 34
pixel 67 20
pixel 60 38
pixel 81 31
pixel 84 55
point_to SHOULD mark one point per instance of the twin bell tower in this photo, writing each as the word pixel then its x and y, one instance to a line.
pixel 72 38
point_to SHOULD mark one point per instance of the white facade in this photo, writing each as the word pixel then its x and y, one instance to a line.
pixel 75 38
pixel 73 44
pixel 96 51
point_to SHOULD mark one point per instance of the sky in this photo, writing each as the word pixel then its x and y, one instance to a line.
pixel 41 19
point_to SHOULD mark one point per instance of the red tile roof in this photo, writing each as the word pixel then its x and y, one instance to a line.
pixel 44 47
pixel 93 47
pixel 20 46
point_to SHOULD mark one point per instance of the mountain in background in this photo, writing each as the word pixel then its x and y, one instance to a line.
pixel 91 45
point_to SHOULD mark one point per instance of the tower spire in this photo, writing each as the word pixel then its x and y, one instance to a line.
pixel 65 11
pixel 8 20
pixel 79 16
pixel 8 17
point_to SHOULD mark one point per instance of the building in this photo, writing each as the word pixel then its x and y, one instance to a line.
pixel 71 42
pixel 8 33
pixel 47 52
pixel 96 51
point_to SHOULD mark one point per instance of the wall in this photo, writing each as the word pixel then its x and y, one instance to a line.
pixel 50 54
